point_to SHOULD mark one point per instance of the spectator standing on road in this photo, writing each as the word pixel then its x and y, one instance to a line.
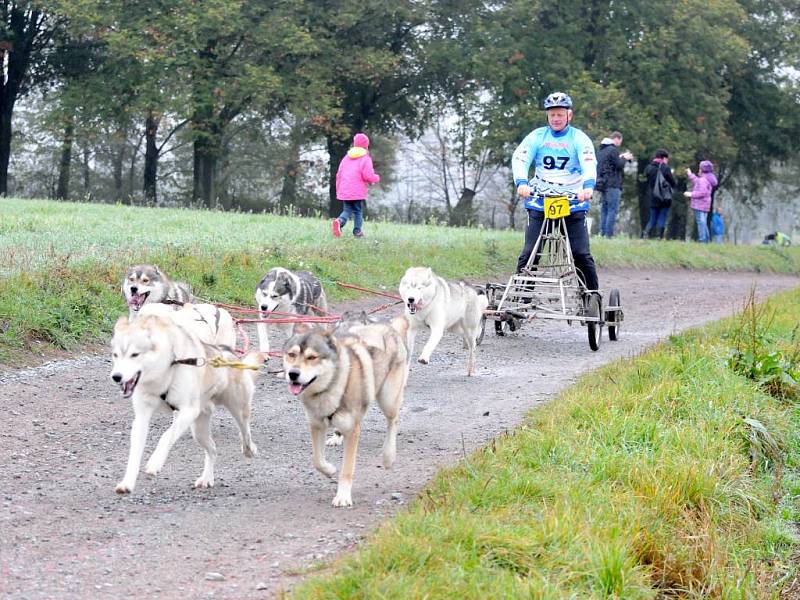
pixel 660 200
pixel 717 226
pixel 610 165
pixel 355 173
pixel 701 197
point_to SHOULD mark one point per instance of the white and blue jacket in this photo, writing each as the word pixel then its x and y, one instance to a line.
pixel 564 161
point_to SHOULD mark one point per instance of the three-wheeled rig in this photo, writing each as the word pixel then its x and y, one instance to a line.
pixel 550 287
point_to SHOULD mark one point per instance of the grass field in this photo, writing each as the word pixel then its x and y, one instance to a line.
pixel 668 476
pixel 61 264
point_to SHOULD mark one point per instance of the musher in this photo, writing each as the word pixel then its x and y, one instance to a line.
pixel 565 164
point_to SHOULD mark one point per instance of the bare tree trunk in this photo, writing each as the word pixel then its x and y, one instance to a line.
pixel 117 161
pixel 463 213
pixel 23 24
pixel 6 111
pixel 205 174
pixel 132 168
pixel 291 170
pixel 86 174
pixel 513 202
pixel 62 190
pixel 150 175
pixel 337 149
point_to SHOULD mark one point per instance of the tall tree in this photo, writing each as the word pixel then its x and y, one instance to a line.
pixel 367 66
pixel 25 34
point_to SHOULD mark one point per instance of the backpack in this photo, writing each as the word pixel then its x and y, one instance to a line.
pixel 662 190
pixel 602 173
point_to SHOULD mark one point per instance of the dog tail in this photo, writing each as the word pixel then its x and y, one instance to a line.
pixel 400 325
pixel 254 359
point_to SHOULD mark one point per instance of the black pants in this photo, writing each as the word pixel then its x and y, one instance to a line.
pixel 578 241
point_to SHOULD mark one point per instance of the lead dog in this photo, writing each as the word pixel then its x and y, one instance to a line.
pixel 337 377
pixel 285 291
pixel 441 305
pixel 161 365
pixel 145 284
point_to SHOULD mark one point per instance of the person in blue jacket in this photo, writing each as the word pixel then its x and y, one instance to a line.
pixel 717 226
pixel 565 164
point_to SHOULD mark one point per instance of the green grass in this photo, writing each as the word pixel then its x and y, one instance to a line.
pixel 637 482
pixel 61 264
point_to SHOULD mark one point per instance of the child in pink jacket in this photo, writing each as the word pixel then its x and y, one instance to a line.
pixel 702 186
pixel 354 174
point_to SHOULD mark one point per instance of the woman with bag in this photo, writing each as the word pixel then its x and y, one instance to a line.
pixel 660 183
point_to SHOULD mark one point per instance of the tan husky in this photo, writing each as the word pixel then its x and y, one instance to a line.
pixel 337 376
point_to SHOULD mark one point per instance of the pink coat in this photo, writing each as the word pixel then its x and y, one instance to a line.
pixel 354 174
pixel 701 190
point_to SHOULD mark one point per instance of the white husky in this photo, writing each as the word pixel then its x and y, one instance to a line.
pixel 161 365
pixel 213 325
pixel 441 305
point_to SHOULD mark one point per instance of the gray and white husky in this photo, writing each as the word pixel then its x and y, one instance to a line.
pixel 144 284
pixel 442 306
pixel 285 291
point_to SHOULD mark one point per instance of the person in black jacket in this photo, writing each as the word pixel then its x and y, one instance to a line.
pixel 659 207
pixel 610 164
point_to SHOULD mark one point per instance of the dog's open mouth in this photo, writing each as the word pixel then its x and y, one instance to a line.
pixel 413 307
pixel 127 387
pixel 295 387
pixel 137 300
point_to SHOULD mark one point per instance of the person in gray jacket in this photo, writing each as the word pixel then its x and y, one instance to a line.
pixel 610 164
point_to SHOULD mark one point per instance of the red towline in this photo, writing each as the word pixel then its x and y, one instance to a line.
pixel 285 318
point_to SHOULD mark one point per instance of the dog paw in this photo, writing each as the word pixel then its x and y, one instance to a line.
pixel 123 488
pixel 342 499
pixel 388 459
pixel 423 361
pixel 327 469
pixel 335 439
pixel 152 468
pixel 250 451
pixel 204 483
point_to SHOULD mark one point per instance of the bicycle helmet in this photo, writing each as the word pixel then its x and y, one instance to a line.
pixel 557 100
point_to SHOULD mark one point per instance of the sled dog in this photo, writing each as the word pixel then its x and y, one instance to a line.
pixel 284 291
pixel 337 376
pixel 145 284
pixel 163 366
pixel 348 320
pixel 441 305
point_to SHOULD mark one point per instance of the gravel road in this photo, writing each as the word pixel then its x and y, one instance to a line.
pixel 64 533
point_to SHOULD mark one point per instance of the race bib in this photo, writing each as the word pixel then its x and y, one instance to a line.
pixel 556 207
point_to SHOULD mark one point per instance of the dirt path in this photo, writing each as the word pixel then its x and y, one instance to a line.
pixel 64 533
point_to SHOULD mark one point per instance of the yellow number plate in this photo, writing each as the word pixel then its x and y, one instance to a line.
pixel 556 207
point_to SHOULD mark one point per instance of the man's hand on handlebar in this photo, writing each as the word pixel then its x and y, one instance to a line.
pixel 524 191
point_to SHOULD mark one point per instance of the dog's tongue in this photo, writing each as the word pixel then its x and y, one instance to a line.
pixel 136 300
pixel 127 387
pixel 295 388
